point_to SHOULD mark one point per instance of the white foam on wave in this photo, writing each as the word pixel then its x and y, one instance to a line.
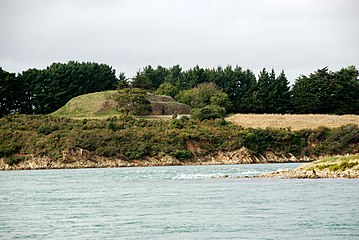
pixel 185 176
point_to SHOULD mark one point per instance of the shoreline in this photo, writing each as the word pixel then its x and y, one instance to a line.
pixel 311 168
pixel 80 158
pixel 34 164
pixel 337 166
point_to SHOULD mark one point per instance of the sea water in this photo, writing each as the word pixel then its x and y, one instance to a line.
pixel 181 202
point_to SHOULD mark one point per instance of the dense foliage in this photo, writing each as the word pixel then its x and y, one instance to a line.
pixel 44 91
pixel 132 100
pixel 9 101
pixel 130 138
pixel 321 92
pixel 327 92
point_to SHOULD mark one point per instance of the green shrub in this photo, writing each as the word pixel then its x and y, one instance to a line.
pixel 111 126
pixel 134 154
pixel 14 160
pixel 8 150
pixel 222 122
pixel 208 112
pixel 44 129
pixel 107 151
pixel 175 123
pixel 180 123
pixel 345 164
pixel 182 154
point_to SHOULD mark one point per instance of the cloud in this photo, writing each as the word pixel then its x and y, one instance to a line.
pixel 297 36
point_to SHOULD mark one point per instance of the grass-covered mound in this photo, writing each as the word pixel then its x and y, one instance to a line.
pixel 89 105
pixel 101 104
pixel 23 137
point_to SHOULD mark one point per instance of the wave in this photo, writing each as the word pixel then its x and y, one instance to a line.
pixel 190 176
pixel 250 172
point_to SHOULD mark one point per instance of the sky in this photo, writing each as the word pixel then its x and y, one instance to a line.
pixel 297 36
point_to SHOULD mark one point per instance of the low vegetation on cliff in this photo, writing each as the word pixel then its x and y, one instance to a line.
pixel 23 137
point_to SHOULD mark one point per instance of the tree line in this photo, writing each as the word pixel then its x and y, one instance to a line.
pixel 323 91
pixel 234 89
pixel 43 91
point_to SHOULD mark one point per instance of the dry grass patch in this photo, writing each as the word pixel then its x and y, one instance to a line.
pixel 294 122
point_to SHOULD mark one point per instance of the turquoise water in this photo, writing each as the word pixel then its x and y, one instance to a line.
pixel 175 203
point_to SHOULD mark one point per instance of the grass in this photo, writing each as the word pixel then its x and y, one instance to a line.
pixel 333 164
pixel 100 105
pixel 93 105
pixel 293 122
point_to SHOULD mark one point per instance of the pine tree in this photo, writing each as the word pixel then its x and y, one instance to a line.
pixel 280 95
pixel 314 94
pixel 264 91
pixel 8 93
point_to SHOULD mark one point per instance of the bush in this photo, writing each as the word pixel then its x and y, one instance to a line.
pixel 208 112
pixel 222 122
pixel 14 160
pixel 111 126
pixel 132 101
pixel 8 150
pixel 179 123
pixel 182 154
pixel 133 154
pixel 345 164
pixel 44 129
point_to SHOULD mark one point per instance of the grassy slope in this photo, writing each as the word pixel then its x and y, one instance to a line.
pixel 95 105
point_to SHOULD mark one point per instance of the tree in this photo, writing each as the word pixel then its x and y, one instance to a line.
pixel 132 101
pixel 208 112
pixel 346 87
pixel 204 94
pixel 9 96
pixel 327 92
pixel 314 94
pixel 195 76
pixel 175 77
pixel 167 89
pixel 279 96
pixel 38 95
pixel 149 78
pixel 221 99
pixel 264 89
pixel 49 89
pixel 122 81
pixel 242 91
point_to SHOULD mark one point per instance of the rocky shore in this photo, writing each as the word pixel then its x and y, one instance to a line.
pixel 333 167
pixel 80 158
pixel 323 167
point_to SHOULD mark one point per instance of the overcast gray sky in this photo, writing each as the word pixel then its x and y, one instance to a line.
pixel 298 36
